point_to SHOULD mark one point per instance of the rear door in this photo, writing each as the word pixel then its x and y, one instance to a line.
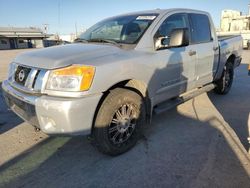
pixel 206 48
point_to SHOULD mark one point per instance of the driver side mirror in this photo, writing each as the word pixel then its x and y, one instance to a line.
pixel 178 38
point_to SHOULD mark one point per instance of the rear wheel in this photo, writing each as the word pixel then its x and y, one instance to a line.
pixel 119 122
pixel 224 84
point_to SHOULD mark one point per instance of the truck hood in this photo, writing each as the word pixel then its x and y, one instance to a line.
pixel 65 55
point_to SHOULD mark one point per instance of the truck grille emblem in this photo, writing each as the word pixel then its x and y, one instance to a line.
pixel 21 75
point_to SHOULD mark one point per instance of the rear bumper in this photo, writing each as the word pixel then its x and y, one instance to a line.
pixel 53 115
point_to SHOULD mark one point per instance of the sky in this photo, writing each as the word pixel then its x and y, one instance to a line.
pixel 67 16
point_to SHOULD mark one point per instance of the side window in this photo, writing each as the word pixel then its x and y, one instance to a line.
pixel 172 22
pixel 200 28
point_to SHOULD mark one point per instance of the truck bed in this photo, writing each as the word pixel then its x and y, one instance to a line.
pixel 245 35
pixel 229 45
pixel 226 37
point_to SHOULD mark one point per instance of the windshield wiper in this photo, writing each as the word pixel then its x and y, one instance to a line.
pixel 81 40
pixel 104 40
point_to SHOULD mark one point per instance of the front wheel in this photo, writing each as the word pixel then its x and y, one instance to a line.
pixel 224 84
pixel 119 122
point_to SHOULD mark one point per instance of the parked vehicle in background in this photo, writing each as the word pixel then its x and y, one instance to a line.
pixel 64 42
pixel 119 72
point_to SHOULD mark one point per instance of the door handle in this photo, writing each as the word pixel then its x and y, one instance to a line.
pixel 215 48
pixel 191 53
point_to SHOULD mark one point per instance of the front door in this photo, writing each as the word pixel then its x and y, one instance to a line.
pixel 176 68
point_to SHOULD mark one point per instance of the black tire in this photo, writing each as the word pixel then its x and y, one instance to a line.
pixel 224 84
pixel 119 122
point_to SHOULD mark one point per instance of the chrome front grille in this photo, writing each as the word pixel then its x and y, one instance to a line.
pixel 21 75
pixel 27 79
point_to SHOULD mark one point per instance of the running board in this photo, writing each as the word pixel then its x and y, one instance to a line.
pixel 181 99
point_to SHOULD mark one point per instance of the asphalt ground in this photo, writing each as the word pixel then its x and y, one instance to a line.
pixel 201 143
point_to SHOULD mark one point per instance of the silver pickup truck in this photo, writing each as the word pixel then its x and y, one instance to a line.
pixel 121 70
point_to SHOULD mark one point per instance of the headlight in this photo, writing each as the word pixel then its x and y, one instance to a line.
pixel 73 78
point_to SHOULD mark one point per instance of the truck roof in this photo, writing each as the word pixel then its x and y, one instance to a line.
pixel 164 11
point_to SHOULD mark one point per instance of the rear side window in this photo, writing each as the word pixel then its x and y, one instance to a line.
pixel 200 28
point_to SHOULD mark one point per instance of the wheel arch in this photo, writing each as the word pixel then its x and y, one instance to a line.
pixel 132 84
pixel 231 59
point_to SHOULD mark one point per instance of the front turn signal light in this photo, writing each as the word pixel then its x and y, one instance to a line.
pixel 73 78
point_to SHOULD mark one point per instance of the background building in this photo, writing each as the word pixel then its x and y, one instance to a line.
pixel 234 23
pixel 14 37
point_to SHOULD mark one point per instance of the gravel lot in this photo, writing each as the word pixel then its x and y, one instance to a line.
pixel 201 143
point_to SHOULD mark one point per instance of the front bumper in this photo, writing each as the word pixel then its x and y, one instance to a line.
pixel 53 115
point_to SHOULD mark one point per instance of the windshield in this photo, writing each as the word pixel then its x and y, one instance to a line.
pixel 123 29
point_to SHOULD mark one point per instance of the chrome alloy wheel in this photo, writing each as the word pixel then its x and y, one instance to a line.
pixel 122 124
